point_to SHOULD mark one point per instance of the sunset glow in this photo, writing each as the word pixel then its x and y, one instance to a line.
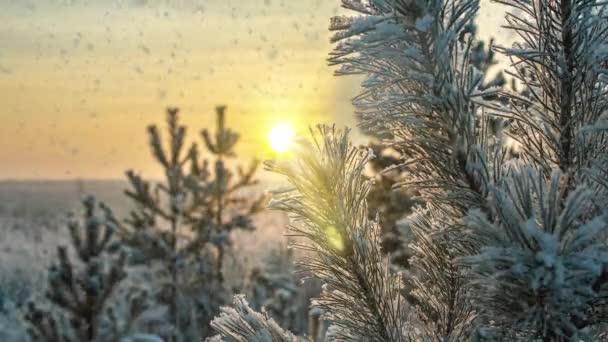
pixel 281 137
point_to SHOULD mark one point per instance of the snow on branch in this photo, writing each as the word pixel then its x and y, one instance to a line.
pixel 241 323
pixel 426 89
pixel 327 206
pixel 561 60
pixel 424 86
pixel 543 257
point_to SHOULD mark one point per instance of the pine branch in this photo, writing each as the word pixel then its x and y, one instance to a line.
pixel 559 123
pixel 423 89
pixel 561 62
pixel 240 323
pixel 328 207
pixel 542 260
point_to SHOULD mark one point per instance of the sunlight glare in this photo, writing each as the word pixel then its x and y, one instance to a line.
pixel 334 238
pixel 281 137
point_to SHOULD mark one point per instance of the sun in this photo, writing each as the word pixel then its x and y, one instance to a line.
pixel 281 137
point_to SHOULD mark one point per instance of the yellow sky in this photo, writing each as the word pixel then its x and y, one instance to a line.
pixel 80 80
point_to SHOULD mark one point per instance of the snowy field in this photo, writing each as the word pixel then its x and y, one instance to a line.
pixel 32 224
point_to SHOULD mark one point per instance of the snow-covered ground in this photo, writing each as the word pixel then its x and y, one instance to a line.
pixel 32 225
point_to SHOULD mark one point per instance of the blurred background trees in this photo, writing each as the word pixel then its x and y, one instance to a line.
pixel 182 226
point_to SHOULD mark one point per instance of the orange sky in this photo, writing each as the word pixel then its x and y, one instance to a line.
pixel 80 80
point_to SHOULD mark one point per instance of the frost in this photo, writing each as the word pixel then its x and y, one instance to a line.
pixel 241 323
pixel 528 261
pixel 540 251
pixel 328 200
pixel 424 24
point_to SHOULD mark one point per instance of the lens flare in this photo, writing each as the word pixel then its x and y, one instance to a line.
pixel 334 238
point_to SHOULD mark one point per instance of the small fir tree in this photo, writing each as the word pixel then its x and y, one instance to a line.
pixel 80 292
pixel 183 225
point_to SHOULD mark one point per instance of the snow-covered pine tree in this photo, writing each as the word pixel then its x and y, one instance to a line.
pixel 511 242
pixel 423 87
pixel 80 292
pixel 272 287
pixel 183 224
pixel 441 125
pixel 393 203
pixel 542 271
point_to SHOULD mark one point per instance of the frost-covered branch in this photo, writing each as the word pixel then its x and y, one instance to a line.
pixel 561 60
pixel 327 203
pixel 543 272
pixel 536 276
pixel 240 323
pixel 424 89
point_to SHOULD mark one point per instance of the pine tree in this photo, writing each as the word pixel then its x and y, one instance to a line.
pixel 80 293
pixel 360 296
pixel 510 242
pixel 183 225
pixel 387 198
pixel 546 241
pixel 273 288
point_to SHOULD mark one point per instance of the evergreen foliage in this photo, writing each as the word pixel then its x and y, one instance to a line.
pixel 80 292
pixel 273 287
pixel 393 202
pixel 242 324
pixel 392 205
pixel 507 239
pixel 555 213
pixel 327 201
pixel 182 225
pixel 510 241
pixel 425 87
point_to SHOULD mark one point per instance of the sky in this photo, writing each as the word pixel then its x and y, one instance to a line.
pixel 80 80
